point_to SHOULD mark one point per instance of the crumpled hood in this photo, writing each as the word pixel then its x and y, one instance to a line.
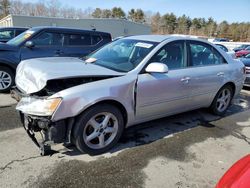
pixel 33 74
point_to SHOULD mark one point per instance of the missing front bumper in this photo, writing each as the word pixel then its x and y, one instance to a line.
pixel 50 132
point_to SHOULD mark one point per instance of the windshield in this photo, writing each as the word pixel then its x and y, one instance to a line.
pixel 122 55
pixel 21 38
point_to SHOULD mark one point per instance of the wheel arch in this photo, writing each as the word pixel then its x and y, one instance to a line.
pixel 115 103
pixel 232 85
pixel 5 64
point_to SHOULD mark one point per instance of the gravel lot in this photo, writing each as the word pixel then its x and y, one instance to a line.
pixel 193 149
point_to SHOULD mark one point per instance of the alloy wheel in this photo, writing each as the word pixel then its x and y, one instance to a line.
pixel 100 130
pixel 223 100
pixel 5 80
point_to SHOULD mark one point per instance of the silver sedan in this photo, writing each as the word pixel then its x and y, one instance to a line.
pixel 89 101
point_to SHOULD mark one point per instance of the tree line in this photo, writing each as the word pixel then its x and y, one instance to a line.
pixel 167 23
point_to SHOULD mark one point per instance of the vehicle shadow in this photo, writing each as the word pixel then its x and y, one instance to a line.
pixel 152 131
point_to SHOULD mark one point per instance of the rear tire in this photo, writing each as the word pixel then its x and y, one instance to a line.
pixel 98 129
pixel 222 100
pixel 7 79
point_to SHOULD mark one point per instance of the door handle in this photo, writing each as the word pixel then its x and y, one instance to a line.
pixel 220 74
pixel 185 79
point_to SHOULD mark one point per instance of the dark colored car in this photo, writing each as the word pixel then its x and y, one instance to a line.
pixel 246 61
pixel 221 40
pixel 7 33
pixel 242 47
pixel 46 42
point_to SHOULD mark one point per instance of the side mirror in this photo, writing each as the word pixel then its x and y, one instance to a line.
pixel 29 44
pixel 157 67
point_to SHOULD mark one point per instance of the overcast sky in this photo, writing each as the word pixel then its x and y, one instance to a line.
pixel 229 10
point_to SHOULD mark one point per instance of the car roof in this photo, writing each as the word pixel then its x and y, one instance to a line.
pixel 14 28
pixel 151 38
pixel 67 29
pixel 160 38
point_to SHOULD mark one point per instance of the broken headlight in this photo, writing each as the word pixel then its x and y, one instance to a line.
pixel 39 107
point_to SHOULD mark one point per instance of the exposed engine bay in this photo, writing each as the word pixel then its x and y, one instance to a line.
pixel 56 85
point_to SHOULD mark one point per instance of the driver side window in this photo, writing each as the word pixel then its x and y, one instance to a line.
pixel 172 54
pixel 48 39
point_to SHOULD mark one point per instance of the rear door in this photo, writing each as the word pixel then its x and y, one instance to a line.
pixel 46 44
pixel 208 68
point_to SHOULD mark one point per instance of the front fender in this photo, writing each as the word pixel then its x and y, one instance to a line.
pixel 79 98
pixel 6 63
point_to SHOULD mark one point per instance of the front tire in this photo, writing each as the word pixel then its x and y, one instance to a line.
pixel 222 100
pixel 6 79
pixel 98 129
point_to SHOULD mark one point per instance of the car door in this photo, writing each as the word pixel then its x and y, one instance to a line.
pixel 208 68
pixel 46 44
pixel 77 44
pixel 160 94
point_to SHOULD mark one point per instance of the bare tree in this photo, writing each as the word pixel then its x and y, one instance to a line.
pixel 54 7
pixel 41 9
pixel 4 7
pixel 17 7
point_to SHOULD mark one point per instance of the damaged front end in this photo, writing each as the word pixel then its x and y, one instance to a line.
pixel 50 132
pixel 36 111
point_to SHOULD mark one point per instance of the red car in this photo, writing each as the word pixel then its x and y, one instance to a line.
pixel 243 53
pixel 238 176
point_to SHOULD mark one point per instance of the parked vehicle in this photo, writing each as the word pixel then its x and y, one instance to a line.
pixel 246 61
pixel 46 42
pixel 243 53
pixel 221 40
pixel 229 52
pixel 242 47
pixel 237 176
pixel 129 81
pixel 7 33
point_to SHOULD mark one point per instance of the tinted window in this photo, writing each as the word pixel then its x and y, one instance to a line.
pixel 48 39
pixel 203 54
pixel 79 39
pixel 96 39
pixel 7 34
pixel 18 31
pixel 171 54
